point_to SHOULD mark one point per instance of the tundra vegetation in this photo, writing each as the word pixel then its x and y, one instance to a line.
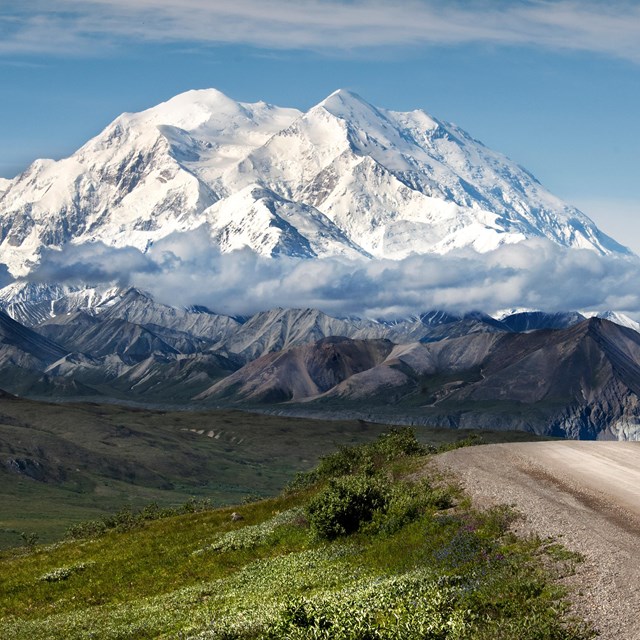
pixel 370 544
pixel 65 464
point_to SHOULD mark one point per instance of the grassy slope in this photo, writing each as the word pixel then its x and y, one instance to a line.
pixel 82 461
pixel 419 569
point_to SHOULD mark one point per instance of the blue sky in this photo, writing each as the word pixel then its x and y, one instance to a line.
pixel 553 84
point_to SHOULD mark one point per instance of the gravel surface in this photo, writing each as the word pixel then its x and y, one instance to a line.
pixel 586 495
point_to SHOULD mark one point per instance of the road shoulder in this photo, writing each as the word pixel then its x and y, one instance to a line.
pixel 584 495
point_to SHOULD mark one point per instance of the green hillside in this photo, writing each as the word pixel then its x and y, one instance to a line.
pixel 371 544
pixel 64 463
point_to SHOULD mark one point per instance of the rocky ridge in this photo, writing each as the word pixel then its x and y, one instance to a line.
pixel 549 373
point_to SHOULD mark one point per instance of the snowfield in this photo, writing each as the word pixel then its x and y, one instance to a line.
pixel 343 179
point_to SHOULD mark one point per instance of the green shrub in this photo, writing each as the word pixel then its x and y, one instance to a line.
pixel 127 519
pixel 400 443
pixel 362 459
pixel 341 463
pixel 345 504
pixel 406 502
pixel 30 540
pixel 302 480
pixel 440 497
pixel 471 440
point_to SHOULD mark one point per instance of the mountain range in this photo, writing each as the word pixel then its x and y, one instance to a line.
pixel 580 382
pixel 344 179
pixel 561 373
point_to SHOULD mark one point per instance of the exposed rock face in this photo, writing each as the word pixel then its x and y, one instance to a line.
pixel 533 321
pixel 26 467
pixel 20 345
pixel 301 372
pixel 580 382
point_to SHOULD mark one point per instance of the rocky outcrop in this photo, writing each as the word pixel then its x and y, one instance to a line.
pixel 582 382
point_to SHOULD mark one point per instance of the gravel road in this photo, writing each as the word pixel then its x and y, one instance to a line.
pixel 584 494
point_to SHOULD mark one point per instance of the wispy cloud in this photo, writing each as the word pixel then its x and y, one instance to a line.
pixel 183 269
pixel 70 26
pixel 92 264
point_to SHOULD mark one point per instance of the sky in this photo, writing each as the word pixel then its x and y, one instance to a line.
pixel 553 84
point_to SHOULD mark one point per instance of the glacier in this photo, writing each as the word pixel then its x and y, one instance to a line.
pixel 343 179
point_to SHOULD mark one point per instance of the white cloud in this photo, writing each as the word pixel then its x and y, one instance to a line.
pixel 183 269
pixel 93 263
pixel 324 25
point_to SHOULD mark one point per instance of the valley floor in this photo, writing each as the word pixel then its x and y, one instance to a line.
pixel 584 494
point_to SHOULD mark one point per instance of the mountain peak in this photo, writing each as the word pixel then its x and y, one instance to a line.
pixel 345 96
pixel 190 110
pixel 346 178
pixel 348 105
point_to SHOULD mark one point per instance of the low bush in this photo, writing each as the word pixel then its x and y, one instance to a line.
pixel 364 458
pixel 63 573
pixel 345 504
pixel 127 519
pixel 395 608
pixel 251 536
pixel 408 501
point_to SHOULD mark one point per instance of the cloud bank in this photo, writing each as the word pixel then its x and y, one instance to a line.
pixel 183 270
pixel 73 26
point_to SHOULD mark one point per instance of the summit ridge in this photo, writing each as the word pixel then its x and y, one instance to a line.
pixel 344 178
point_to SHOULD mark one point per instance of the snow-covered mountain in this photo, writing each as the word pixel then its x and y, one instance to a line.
pixel 617 318
pixel 32 303
pixel 4 185
pixel 343 179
